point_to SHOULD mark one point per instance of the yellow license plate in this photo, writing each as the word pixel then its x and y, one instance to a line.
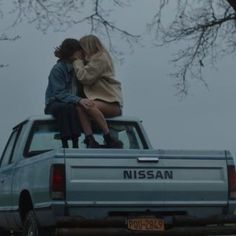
pixel 146 224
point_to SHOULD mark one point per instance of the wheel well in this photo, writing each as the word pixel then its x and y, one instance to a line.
pixel 25 204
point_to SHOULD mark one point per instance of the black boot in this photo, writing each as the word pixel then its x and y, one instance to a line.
pixel 91 142
pixel 111 142
pixel 75 143
pixel 64 143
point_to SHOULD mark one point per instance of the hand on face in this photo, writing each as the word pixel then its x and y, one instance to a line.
pixel 78 55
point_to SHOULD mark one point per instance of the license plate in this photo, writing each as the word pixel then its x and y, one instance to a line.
pixel 146 224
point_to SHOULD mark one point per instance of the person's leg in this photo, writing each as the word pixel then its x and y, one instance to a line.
pixel 59 112
pixel 95 114
pixel 98 117
pixel 85 121
pixel 86 125
pixel 108 109
pixel 74 123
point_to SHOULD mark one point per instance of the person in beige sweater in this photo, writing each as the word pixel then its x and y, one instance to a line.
pixel 95 71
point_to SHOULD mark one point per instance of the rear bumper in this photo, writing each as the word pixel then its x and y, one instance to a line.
pixel 177 231
pixel 121 222
pixel 55 217
pixel 177 225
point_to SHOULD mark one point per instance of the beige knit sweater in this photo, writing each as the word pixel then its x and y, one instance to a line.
pixel 97 78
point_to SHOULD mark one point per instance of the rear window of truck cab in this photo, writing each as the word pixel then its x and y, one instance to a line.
pixel 44 136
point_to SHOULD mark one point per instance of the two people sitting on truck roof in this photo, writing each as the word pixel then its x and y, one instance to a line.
pixel 82 88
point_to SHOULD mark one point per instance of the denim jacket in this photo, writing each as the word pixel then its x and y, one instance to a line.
pixel 60 84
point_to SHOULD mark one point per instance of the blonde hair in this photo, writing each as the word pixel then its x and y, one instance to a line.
pixel 92 45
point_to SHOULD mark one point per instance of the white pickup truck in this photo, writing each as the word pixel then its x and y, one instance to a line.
pixel 48 190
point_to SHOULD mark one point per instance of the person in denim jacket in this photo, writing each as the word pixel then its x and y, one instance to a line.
pixel 61 97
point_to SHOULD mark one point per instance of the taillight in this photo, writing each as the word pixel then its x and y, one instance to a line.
pixel 57 182
pixel 232 182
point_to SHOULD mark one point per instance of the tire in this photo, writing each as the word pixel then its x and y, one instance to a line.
pixel 31 226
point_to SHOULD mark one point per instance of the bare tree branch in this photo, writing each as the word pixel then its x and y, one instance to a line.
pixel 205 30
pixel 5 37
pixel 60 15
pixel 101 25
pixel 200 29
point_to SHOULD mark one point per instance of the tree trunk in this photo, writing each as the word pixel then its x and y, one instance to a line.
pixel 232 3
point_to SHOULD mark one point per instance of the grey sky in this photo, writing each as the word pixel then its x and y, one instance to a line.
pixel 204 120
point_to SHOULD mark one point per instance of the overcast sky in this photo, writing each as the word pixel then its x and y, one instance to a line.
pixel 203 120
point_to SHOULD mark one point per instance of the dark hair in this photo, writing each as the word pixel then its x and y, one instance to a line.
pixel 67 48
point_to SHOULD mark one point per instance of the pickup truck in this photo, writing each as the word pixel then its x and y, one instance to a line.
pixel 48 190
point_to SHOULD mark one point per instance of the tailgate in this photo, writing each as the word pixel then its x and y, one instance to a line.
pixel 141 178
